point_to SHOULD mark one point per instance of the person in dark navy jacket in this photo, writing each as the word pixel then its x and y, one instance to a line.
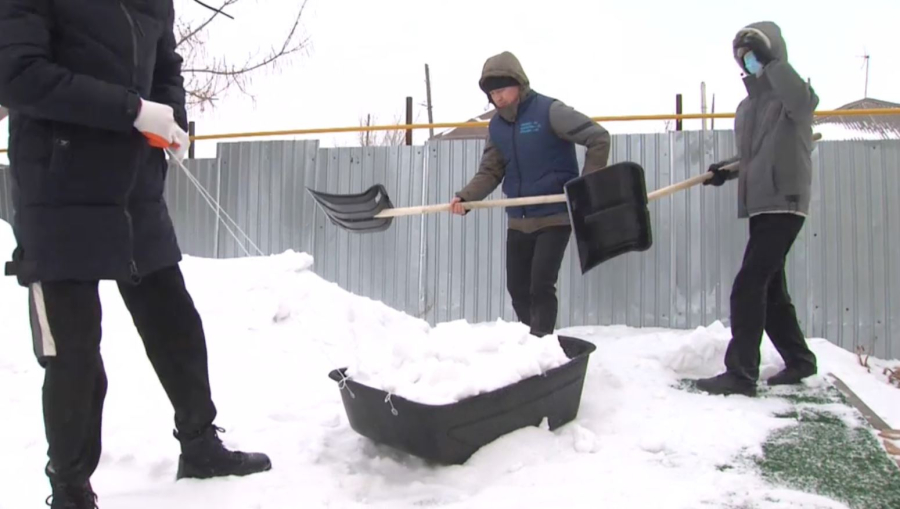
pixel 531 150
pixel 95 93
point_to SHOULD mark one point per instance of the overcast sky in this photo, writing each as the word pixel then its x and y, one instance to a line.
pixel 603 58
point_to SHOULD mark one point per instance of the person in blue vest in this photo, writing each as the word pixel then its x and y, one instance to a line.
pixel 531 149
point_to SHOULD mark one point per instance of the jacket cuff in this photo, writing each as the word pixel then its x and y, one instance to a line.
pixel 132 105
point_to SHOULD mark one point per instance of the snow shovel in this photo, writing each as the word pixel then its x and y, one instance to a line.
pixel 372 211
pixel 607 210
pixel 609 213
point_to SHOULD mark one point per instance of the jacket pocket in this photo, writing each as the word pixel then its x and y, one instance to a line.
pixel 60 153
pixel 91 167
pixel 773 177
pixel 761 183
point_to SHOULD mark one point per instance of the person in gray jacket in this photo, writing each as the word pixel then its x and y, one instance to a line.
pixel 773 131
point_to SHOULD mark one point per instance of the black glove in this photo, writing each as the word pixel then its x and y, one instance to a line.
pixel 757 44
pixel 720 176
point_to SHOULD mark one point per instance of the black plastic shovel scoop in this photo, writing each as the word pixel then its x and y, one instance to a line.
pixel 361 213
pixel 609 215
pixel 607 209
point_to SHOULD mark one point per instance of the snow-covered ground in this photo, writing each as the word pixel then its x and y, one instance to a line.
pixel 275 330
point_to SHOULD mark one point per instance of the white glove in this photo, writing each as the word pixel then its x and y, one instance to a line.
pixel 157 123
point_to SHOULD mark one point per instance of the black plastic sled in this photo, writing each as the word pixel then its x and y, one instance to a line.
pixel 450 434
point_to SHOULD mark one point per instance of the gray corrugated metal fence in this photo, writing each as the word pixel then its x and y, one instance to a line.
pixel 845 284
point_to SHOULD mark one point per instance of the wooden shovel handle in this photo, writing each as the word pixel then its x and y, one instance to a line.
pixel 538 200
pixel 481 204
pixel 699 179
pixel 684 184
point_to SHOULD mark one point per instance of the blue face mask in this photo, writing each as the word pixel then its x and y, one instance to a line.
pixel 752 64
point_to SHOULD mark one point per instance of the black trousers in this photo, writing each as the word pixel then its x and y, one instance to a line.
pixel 760 300
pixel 65 321
pixel 532 269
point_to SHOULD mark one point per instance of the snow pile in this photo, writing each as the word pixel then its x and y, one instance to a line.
pixel 381 347
pixel 455 360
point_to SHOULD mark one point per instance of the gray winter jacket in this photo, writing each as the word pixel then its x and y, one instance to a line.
pixel 773 131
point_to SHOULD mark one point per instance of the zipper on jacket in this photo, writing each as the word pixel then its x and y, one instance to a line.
pixel 750 128
pixel 132 265
pixel 135 27
pixel 516 157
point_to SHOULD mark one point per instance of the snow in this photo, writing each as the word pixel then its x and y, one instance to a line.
pixel 870 384
pixel 275 330
pixel 454 360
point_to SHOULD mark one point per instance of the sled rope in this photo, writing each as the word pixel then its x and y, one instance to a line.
pixel 387 399
pixel 343 384
pixel 217 207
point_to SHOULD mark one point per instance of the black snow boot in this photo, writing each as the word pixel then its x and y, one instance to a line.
pixel 792 375
pixel 727 384
pixel 204 456
pixel 71 496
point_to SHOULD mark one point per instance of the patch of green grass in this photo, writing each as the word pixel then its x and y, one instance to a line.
pixel 820 453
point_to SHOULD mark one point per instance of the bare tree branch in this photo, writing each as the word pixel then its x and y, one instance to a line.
pixel 219 11
pixel 207 78
pixel 191 33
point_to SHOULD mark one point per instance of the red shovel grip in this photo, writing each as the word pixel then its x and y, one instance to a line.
pixel 158 141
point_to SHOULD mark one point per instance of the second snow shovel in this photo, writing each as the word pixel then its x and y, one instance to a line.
pixel 372 210
pixel 609 214
pixel 607 210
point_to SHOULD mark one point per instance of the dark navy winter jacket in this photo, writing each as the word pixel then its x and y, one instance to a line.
pixel 88 189
pixel 538 161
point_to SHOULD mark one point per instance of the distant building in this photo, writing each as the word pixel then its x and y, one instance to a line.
pixel 860 127
pixel 468 133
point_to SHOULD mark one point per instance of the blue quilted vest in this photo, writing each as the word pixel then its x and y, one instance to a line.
pixel 537 161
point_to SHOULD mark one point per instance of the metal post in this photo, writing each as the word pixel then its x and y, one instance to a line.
pixel 409 120
pixel 428 101
pixel 216 251
pixel 192 129
pixel 678 111
pixel 703 103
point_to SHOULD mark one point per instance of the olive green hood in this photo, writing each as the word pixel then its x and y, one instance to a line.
pixel 506 65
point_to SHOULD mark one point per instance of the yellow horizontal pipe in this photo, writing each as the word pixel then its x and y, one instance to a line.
pixel 625 118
